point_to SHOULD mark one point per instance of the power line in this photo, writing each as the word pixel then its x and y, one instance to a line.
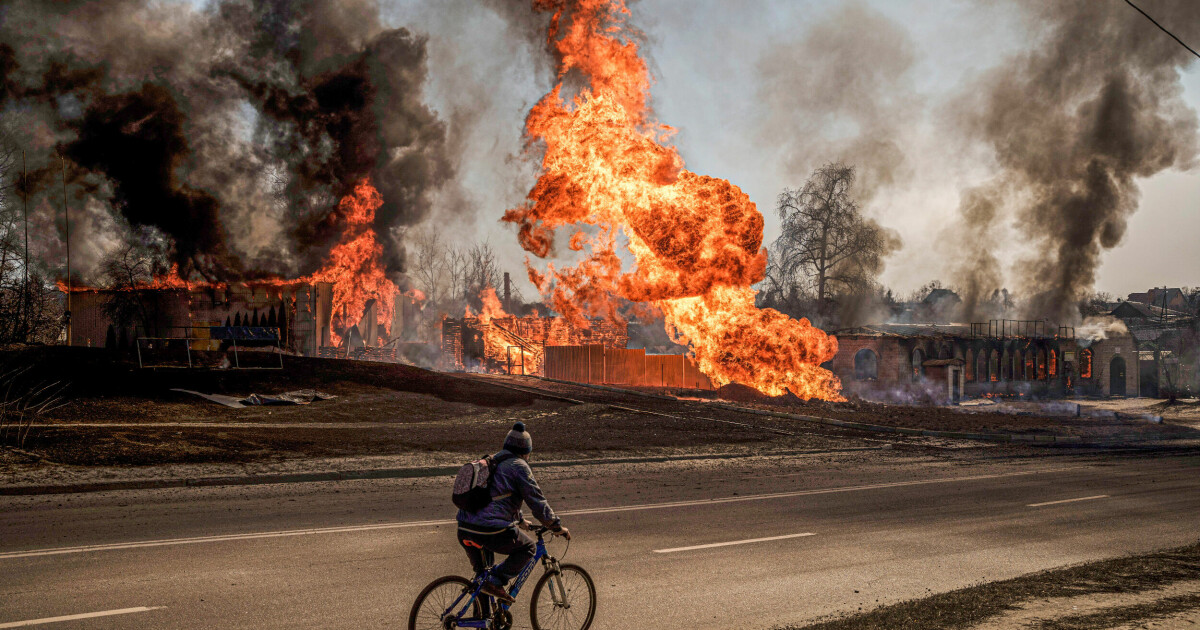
pixel 1161 27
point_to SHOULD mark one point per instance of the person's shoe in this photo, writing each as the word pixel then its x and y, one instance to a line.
pixel 497 591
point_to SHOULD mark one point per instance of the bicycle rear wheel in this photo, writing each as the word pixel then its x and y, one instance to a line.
pixel 565 600
pixel 435 601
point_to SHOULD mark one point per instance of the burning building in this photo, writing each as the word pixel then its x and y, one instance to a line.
pixel 300 316
pixel 948 362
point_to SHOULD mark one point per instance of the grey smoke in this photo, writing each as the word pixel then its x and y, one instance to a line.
pixel 232 130
pixel 842 90
pixel 1073 124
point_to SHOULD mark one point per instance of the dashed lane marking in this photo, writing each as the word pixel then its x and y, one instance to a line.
pixel 734 542
pixel 1098 496
pixel 91 615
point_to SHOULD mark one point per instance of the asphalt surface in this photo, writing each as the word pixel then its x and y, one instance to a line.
pixel 885 526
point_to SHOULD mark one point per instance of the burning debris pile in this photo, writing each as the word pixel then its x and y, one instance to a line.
pixel 496 341
pixel 609 175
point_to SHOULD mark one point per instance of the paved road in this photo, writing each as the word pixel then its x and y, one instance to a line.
pixel 884 527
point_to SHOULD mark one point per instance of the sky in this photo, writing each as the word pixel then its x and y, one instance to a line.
pixel 722 72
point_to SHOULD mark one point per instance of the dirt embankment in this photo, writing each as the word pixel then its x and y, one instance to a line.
pixel 118 415
pixel 1088 419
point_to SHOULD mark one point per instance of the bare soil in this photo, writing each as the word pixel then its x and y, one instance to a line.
pixel 381 410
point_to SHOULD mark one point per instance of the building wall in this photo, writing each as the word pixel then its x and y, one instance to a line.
pixel 295 309
pixel 1029 378
pixel 1102 355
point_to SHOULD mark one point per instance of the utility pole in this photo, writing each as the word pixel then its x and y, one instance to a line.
pixel 25 287
pixel 67 229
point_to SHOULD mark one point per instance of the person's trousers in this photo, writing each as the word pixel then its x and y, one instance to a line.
pixel 510 542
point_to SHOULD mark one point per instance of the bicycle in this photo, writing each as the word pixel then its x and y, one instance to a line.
pixel 445 603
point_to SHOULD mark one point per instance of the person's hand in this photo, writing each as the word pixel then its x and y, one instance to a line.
pixel 526 525
pixel 564 532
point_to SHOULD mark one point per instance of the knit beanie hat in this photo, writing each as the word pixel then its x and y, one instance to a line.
pixel 518 440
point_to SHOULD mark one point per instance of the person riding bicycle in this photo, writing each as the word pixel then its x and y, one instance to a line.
pixel 494 528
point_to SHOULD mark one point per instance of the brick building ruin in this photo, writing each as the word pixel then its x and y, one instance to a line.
pixel 948 362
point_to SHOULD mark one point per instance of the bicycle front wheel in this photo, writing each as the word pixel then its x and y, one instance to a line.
pixel 433 605
pixel 563 600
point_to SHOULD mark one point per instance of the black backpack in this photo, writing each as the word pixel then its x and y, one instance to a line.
pixel 473 484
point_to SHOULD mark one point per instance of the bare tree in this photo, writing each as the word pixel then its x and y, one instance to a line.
pixel 1095 303
pixel 28 305
pixel 826 243
pixel 457 269
pixel 126 272
pixel 482 271
pixel 429 262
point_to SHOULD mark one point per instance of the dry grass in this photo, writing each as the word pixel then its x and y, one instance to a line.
pixel 965 608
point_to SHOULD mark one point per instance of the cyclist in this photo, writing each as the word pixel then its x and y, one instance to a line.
pixel 494 528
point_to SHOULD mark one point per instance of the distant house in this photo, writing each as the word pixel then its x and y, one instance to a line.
pixel 1136 313
pixel 1171 298
pixel 940 297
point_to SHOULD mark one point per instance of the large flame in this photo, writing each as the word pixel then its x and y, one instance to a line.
pixel 500 340
pixel 696 240
pixel 354 265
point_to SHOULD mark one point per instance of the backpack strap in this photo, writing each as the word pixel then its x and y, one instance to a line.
pixel 494 463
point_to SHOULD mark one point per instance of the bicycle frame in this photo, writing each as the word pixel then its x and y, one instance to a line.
pixel 461 621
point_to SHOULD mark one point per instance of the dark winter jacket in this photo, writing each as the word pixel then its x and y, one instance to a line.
pixel 512 484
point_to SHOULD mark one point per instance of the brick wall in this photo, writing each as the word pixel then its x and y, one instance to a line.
pixel 1103 353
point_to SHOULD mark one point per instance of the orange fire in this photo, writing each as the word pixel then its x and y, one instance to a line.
pixel 354 265
pixel 696 240
pixel 500 340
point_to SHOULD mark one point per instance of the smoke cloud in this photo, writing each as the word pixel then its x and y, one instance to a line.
pixel 231 130
pixel 843 92
pixel 1073 123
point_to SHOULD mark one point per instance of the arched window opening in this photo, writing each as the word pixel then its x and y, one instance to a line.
pixel 969 366
pixel 1085 363
pixel 1041 368
pixel 1030 365
pixel 1018 366
pixel 918 369
pixel 994 366
pixel 866 365
pixel 1006 367
pixel 1052 365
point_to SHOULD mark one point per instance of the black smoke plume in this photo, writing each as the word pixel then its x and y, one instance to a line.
pixel 1073 125
pixel 232 130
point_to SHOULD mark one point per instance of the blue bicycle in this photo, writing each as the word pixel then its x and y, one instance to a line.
pixel 563 599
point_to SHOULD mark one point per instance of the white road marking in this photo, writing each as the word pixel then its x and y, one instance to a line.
pixel 802 493
pixel 1098 496
pixel 735 542
pixel 91 615
pixel 34 553
pixel 209 539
